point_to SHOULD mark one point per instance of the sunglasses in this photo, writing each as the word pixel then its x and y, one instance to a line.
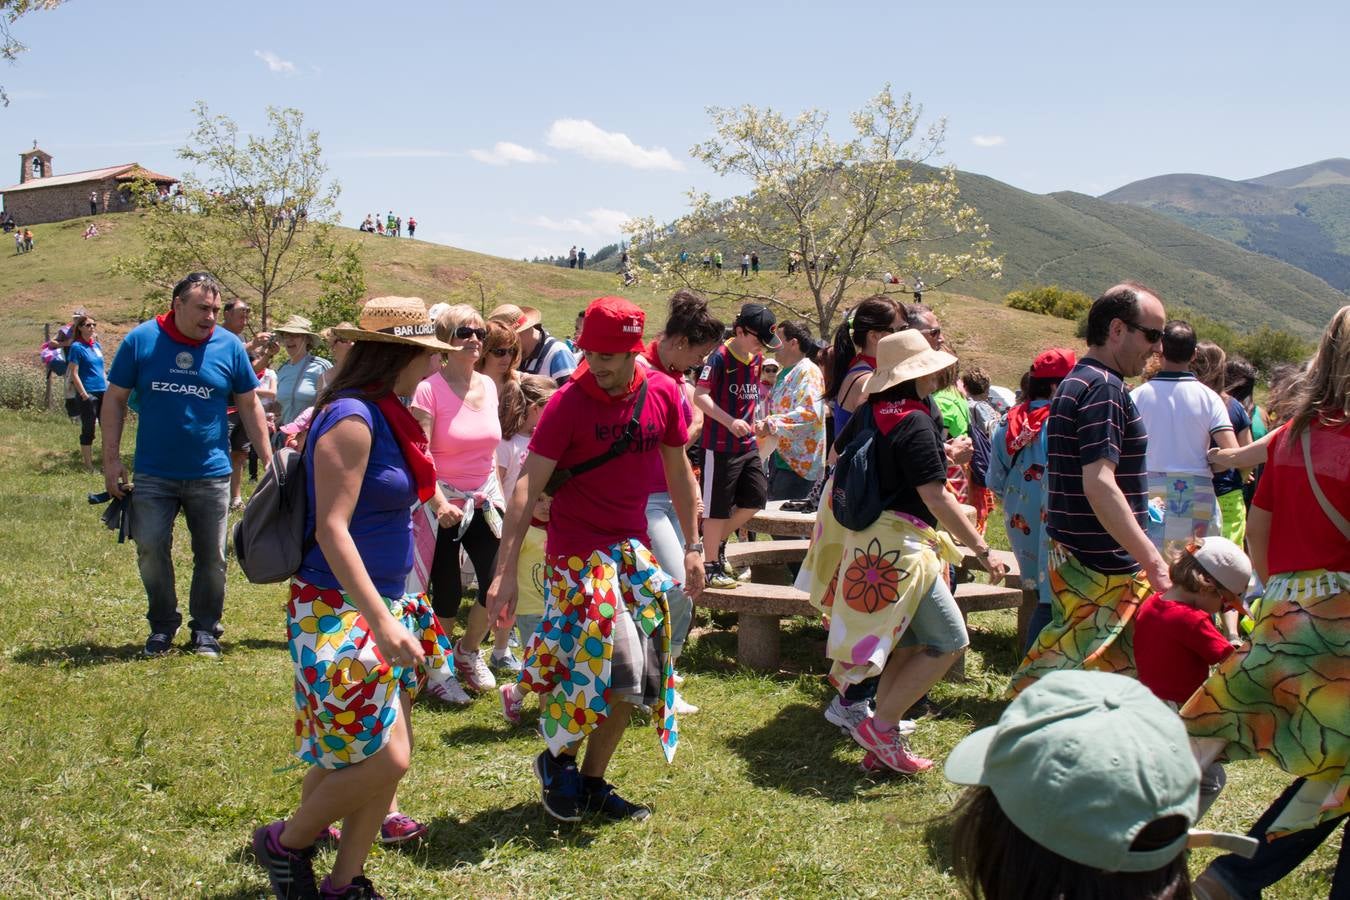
pixel 464 332
pixel 501 351
pixel 191 280
pixel 1152 335
pixel 89 325
pixel 885 329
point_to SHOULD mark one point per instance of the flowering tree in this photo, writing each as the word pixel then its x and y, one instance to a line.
pixel 827 214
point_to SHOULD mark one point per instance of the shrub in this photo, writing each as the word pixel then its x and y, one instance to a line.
pixel 1267 347
pixel 1050 300
pixel 22 385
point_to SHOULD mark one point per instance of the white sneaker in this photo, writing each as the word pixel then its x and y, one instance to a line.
pixel 473 672
pixel 683 707
pixel 847 718
pixel 447 690
pixel 506 662
pixel 679 680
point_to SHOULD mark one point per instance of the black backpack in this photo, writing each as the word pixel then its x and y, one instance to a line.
pixel 271 539
pixel 856 498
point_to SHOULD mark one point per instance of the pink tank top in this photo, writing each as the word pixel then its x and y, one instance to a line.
pixel 463 439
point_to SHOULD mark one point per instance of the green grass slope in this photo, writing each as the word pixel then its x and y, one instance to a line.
pixel 66 271
pixel 1088 244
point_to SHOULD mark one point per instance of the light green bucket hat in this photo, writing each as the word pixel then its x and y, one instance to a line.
pixel 1082 761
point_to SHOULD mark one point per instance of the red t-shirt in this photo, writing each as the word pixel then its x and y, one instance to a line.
pixel 1301 535
pixel 608 504
pixel 1174 646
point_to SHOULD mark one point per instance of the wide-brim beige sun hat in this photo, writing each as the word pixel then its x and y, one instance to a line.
pixel 395 320
pixel 904 356
pixel 296 325
pixel 520 318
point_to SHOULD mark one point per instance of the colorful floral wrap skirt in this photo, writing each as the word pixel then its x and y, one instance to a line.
pixel 571 657
pixel 1286 696
pixel 346 695
pixel 869 583
pixel 1091 622
pixel 1181 508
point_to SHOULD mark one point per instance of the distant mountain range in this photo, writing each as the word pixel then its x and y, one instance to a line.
pixel 1300 216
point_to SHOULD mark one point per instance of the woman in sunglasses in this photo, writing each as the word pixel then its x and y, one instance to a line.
pixel 500 356
pixel 457 407
pixel 89 381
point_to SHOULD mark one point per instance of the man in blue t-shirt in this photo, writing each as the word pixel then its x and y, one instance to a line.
pixel 1097 495
pixel 184 371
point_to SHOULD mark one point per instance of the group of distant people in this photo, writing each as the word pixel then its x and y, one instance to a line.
pixel 571 476
pixel 389 226
pixel 576 259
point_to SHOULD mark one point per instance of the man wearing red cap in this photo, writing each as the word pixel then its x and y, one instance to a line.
pixel 1017 460
pixel 604 643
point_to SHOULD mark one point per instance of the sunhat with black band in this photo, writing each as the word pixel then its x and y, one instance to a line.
pixel 394 320
pixel 518 317
pixel 1081 762
pixel 296 325
pixel 904 356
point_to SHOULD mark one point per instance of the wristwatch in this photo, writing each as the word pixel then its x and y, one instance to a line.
pixel 696 547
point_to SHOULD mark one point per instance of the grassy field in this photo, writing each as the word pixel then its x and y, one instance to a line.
pixel 66 271
pixel 127 777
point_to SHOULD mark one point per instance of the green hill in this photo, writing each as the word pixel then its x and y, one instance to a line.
pixel 66 271
pixel 1300 216
pixel 1088 244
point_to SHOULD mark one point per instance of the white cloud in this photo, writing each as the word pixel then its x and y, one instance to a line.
pixel 505 152
pixel 988 140
pixel 604 223
pixel 593 142
pixel 275 63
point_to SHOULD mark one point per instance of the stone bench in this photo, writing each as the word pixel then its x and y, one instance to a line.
pixel 760 606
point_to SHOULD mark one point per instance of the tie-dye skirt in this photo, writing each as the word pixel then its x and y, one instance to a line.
pixel 605 637
pixel 1286 696
pixel 1091 622
pixel 346 695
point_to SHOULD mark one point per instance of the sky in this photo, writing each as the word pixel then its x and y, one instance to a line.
pixel 520 129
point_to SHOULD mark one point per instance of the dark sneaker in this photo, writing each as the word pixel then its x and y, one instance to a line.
pixel 158 644
pixel 559 787
pixel 204 643
pixel 398 828
pixel 290 872
pixel 716 577
pixel 598 796
pixel 359 889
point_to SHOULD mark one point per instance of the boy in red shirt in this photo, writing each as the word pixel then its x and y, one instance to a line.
pixel 1175 641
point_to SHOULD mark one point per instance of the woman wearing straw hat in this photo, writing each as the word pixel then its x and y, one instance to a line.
pixel 362 648
pixel 298 377
pixel 891 612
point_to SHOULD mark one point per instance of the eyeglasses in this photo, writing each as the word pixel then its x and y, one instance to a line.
pixel 501 351
pixel 464 332
pixel 1152 335
pixel 190 281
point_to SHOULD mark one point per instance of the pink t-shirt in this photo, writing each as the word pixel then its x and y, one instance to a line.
pixel 656 471
pixel 463 439
pixel 608 504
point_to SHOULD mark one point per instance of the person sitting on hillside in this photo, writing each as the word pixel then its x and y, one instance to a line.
pixel 90 231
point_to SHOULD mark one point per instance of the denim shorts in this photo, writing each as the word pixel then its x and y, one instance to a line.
pixel 937 622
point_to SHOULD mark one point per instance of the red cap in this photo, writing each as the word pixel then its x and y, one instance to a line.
pixel 612 325
pixel 1053 363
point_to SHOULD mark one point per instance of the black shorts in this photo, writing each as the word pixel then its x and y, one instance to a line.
pixel 732 480
pixel 238 436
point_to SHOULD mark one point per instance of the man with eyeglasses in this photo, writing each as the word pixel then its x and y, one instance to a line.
pixel 1102 563
pixel 184 371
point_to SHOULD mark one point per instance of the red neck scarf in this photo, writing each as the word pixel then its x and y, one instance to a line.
pixel 412 440
pixel 88 342
pixel 891 413
pixel 653 355
pixel 586 381
pixel 869 361
pixel 1024 424
pixel 170 327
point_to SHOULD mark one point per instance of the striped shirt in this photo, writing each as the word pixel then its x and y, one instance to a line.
pixel 733 384
pixel 1092 417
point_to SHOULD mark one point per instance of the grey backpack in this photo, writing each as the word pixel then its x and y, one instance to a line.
pixel 271 539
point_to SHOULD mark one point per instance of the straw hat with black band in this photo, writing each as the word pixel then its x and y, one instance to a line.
pixel 902 357
pixel 521 318
pixel 395 320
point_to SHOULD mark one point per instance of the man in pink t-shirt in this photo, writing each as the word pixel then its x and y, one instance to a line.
pixel 604 643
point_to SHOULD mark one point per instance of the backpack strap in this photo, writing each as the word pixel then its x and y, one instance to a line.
pixel 1336 518
pixel 631 432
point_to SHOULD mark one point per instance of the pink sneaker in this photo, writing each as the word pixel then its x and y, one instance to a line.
pixel 329 837
pixel 398 828
pixel 890 748
pixel 511 703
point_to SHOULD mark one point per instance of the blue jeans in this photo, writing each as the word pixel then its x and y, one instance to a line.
pixel 665 539
pixel 205 504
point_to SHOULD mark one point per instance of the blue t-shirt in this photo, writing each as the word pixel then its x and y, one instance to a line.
pixel 183 393
pixel 1092 417
pixel 381 523
pixel 1230 480
pixel 89 363
pixel 298 386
